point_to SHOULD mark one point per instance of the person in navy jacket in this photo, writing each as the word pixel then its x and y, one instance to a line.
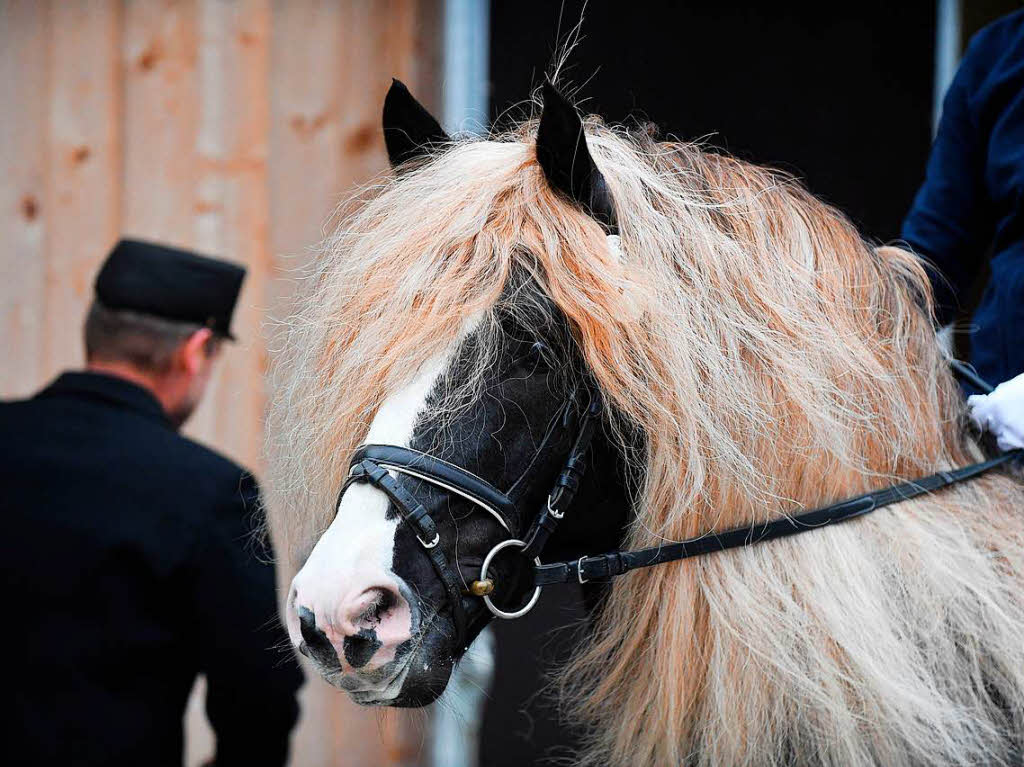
pixel 970 210
pixel 131 561
pixel 969 213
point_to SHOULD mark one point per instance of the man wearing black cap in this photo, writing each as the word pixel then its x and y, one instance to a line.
pixel 130 562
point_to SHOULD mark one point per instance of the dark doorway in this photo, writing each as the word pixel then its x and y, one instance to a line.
pixel 839 94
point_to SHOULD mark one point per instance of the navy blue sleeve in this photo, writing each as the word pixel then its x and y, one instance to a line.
pixel 252 678
pixel 950 222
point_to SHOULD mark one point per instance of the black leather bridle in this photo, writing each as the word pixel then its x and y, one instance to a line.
pixel 376 463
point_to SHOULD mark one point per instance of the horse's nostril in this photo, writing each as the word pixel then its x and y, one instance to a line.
pixel 307 624
pixel 315 643
pixel 382 602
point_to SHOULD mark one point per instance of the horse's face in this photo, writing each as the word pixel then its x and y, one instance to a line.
pixel 369 607
pixel 375 608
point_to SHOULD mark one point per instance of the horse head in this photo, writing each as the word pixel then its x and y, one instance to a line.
pixel 384 609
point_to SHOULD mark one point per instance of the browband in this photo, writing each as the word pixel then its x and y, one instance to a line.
pixel 435 471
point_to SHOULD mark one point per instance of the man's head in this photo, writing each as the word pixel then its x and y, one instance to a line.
pixel 172 359
pixel 158 320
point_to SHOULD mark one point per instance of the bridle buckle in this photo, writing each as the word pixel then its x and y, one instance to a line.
pixel 579 571
pixel 432 544
pixel 552 510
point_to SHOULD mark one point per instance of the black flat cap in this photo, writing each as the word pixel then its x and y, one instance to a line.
pixel 170 283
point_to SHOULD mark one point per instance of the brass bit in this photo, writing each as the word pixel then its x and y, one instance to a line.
pixel 481 588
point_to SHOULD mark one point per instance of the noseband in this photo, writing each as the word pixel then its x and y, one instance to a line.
pixel 376 465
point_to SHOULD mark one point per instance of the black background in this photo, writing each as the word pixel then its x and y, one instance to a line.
pixel 839 94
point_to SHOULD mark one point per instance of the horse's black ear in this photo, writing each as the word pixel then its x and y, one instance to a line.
pixel 568 166
pixel 409 129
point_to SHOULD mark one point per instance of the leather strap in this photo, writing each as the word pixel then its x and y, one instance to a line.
pixel 436 469
pixel 601 566
pixel 967 375
pixel 568 483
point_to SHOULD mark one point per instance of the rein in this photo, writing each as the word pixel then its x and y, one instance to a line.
pixel 376 465
pixel 588 568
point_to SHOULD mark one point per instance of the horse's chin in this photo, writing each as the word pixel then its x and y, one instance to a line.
pixel 424 687
pixel 419 684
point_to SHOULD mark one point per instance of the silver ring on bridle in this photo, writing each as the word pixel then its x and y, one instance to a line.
pixel 497 611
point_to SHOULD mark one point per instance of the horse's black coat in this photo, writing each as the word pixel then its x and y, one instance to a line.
pixel 498 436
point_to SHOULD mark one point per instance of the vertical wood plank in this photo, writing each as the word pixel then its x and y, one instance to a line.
pixel 160 48
pixel 83 169
pixel 367 67
pixel 230 207
pixel 427 59
pixel 326 99
pixel 24 85
pixel 380 43
pixel 305 130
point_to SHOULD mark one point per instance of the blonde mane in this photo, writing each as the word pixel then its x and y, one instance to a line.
pixel 774 361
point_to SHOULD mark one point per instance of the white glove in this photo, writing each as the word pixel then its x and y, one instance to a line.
pixel 1001 412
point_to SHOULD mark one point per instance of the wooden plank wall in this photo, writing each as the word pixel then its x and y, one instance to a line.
pixel 231 127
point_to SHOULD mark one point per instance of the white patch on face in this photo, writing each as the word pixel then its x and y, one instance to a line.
pixel 396 419
pixel 356 552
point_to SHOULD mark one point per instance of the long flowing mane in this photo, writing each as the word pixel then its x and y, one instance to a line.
pixel 773 360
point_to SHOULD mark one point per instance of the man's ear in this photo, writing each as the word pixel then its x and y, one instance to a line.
pixel 409 129
pixel 565 158
pixel 194 352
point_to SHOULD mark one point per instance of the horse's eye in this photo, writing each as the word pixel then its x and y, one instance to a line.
pixel 531 357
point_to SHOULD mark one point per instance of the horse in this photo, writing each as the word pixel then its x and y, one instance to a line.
pixel 570 337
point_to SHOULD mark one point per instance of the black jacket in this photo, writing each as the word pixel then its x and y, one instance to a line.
pixel 129 566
